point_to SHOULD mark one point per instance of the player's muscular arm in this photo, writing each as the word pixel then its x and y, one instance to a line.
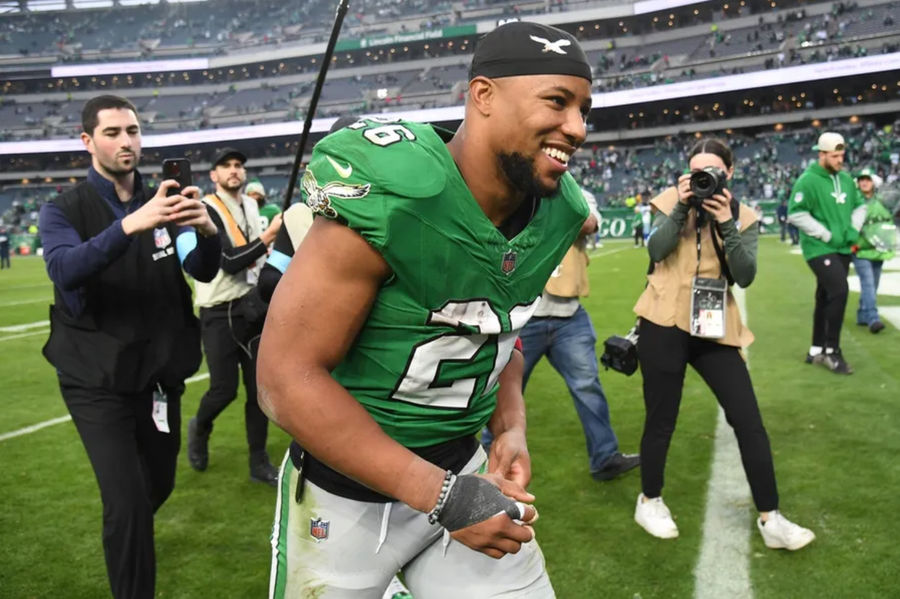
pixel 590 226
pixel 509 453
pixel 317 309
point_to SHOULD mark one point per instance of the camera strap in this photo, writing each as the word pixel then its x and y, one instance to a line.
pixel 720 252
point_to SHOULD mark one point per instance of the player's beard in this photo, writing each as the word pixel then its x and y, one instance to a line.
pixel 521 174
pixel 232 185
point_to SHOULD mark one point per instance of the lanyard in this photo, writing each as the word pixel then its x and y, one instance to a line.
pixel 697 273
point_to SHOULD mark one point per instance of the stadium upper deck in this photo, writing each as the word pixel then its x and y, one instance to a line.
pixel 698 43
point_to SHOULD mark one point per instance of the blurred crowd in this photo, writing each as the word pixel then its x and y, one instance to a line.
pixel 766 165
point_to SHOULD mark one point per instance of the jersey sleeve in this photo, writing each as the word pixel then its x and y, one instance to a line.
pixel 358 176
pixel 283 242
pixel 801 200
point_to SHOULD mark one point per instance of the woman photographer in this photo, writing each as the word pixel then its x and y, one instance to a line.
pixel 700 239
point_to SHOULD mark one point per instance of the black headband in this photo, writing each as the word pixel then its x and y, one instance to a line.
pixel 524 48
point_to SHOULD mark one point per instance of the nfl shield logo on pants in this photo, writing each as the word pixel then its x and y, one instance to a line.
pixel 509 262
pixel 318 529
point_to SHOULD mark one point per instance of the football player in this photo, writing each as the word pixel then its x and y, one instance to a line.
pixel 389 340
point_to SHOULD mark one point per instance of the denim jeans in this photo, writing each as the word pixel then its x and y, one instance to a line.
pixel 569 344
pixel 869 273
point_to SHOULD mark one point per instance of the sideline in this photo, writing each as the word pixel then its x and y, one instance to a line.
pixel 723 569
pixel 53 421
pixel 891 314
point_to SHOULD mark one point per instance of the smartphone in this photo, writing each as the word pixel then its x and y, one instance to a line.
pixel 178 169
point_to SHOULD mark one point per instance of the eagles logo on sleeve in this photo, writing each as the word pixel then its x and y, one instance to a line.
pixel 318 198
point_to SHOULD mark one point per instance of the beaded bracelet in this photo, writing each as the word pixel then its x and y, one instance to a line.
pixel 435 512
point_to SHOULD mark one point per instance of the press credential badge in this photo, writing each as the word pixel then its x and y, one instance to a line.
pixel 708 307
pixel 161 410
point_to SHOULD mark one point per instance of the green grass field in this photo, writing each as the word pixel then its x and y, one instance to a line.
pixel 835 441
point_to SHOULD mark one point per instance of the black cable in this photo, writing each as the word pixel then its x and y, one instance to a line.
pixel 343 5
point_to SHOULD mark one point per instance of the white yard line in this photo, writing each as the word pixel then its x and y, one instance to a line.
pixel 36 427
pixel 599 252
pixel 32 334
pixel 18 328
pixel 723 569
pixel 46 283
pixel 45 300
pixel 891 314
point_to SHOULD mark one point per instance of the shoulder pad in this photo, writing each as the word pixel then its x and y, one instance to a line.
pixel 399 157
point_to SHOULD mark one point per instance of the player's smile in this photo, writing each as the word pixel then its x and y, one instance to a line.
pixel 557 157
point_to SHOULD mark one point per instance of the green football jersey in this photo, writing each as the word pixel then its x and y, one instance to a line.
pixel 442 328
pixel 266 213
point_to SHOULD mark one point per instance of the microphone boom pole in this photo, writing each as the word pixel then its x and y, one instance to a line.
pixel 343 5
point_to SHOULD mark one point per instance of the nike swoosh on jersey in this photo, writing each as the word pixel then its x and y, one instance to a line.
pixel 343 171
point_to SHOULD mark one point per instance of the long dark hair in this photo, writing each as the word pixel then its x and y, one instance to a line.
pixel 713 145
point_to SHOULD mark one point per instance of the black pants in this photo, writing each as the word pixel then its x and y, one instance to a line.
pixel 664 353
pixel 135 468
pixel 4 259
pixel 230 343
pixel 639 235
pixel 831 298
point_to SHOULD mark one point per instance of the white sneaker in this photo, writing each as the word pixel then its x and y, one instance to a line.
pixel 780 533
pixel 655 517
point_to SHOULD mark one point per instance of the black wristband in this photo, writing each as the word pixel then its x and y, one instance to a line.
pixel 473 499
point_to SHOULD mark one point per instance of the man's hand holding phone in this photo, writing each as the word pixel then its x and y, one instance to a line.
pixel 190 211
pixel 172 204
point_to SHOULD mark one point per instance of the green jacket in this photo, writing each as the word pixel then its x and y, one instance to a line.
pixel 828 210
pixel 637 219
pixel 878 237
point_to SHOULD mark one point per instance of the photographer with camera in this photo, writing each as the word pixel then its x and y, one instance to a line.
pixel 702 240
pixel 231 315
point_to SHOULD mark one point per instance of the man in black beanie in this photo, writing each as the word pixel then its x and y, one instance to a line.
pixel 390 338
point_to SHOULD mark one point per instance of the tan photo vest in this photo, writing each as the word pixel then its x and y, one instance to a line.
pixel 666 301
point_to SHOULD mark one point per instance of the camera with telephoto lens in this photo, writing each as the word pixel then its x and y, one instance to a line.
pixel 706 183
pixel 620 353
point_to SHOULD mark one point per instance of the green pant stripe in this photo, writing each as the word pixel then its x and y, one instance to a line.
pixel 280 531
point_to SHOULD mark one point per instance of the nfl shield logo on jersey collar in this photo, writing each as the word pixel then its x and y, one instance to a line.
pixel 508 264
pixel 318 529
